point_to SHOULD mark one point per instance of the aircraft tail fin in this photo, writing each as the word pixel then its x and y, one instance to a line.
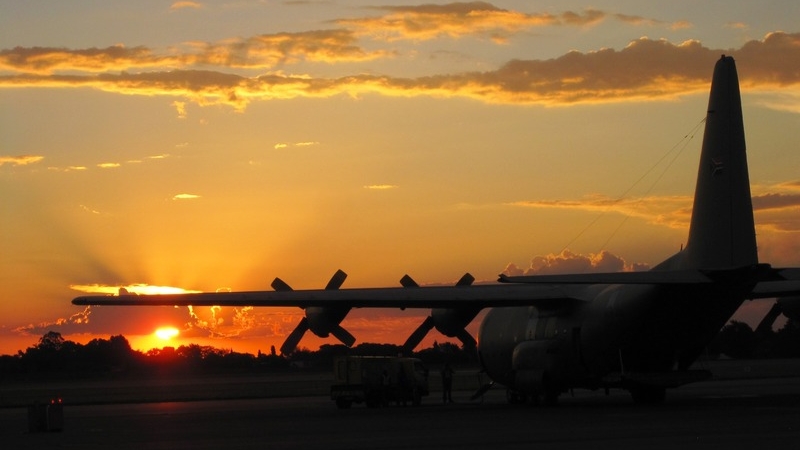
pixel 722 230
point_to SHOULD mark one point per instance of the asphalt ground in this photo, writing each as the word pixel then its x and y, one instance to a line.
pixel 748 411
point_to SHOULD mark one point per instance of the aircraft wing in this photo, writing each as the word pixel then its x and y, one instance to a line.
pixel 769 282
pixel 649 277
pixel 481 296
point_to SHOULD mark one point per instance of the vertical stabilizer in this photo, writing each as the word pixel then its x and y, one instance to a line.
pixel 722 231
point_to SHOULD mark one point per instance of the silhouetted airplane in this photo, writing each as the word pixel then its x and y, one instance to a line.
pixel 543 335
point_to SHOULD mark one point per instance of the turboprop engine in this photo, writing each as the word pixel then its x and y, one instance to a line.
pixel 320 320
pixel 450 322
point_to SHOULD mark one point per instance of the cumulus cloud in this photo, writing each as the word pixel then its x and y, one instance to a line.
pixel 76 320
pixel 228 322
pixel 569 262
pixel 21 160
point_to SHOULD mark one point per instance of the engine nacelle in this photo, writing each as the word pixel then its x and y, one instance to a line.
pixel 451 322
pixel 323 320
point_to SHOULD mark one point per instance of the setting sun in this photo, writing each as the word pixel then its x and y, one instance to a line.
pixel 166 333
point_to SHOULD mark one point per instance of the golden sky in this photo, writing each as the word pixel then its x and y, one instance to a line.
pixel 218 144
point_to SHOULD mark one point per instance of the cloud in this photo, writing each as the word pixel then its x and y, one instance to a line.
pixel 77 319
pixel 455 20
pixel 89 210
pixel 109 165
pixel 776 201
pixel 569 262
pixel 644 21
pixel 775 208
pixel 380 187
pixel 185 197
pixel 46 60
pixel 180 108
pixel 671 211
pixel 21 160
pixel 644 70
pixel 283 145
pixel 460 19
pixel 257 52
pixel 270 50
pixel 185 4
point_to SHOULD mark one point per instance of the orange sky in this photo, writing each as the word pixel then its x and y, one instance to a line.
pixel 216 145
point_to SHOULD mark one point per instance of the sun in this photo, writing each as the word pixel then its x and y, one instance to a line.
pixel 166 333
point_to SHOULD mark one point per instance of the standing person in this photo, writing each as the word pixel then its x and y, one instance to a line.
pixel 403 386
pixel 447 383
pixel 385 386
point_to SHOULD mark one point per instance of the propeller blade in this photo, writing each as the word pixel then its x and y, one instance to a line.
pixel 408 282
pixel 343 335
pixel 481 390
pixel 280 285
pixel 419 334
pixel 336 280
pixel 765 326
pixel 290 344
pixel 466 280
pixel 467 339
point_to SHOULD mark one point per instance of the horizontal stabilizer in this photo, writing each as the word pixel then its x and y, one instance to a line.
pixel 771 289
pixel 786 283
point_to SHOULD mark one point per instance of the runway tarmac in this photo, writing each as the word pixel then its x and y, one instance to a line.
pixel 731 414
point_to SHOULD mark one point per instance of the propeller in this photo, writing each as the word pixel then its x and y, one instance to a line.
pixel 322 321
pixel 450 322
pixel 482 390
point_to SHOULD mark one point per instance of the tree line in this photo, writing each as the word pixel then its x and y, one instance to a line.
pixel 54 357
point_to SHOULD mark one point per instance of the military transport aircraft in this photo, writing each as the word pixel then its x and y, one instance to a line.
pixel 544 335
